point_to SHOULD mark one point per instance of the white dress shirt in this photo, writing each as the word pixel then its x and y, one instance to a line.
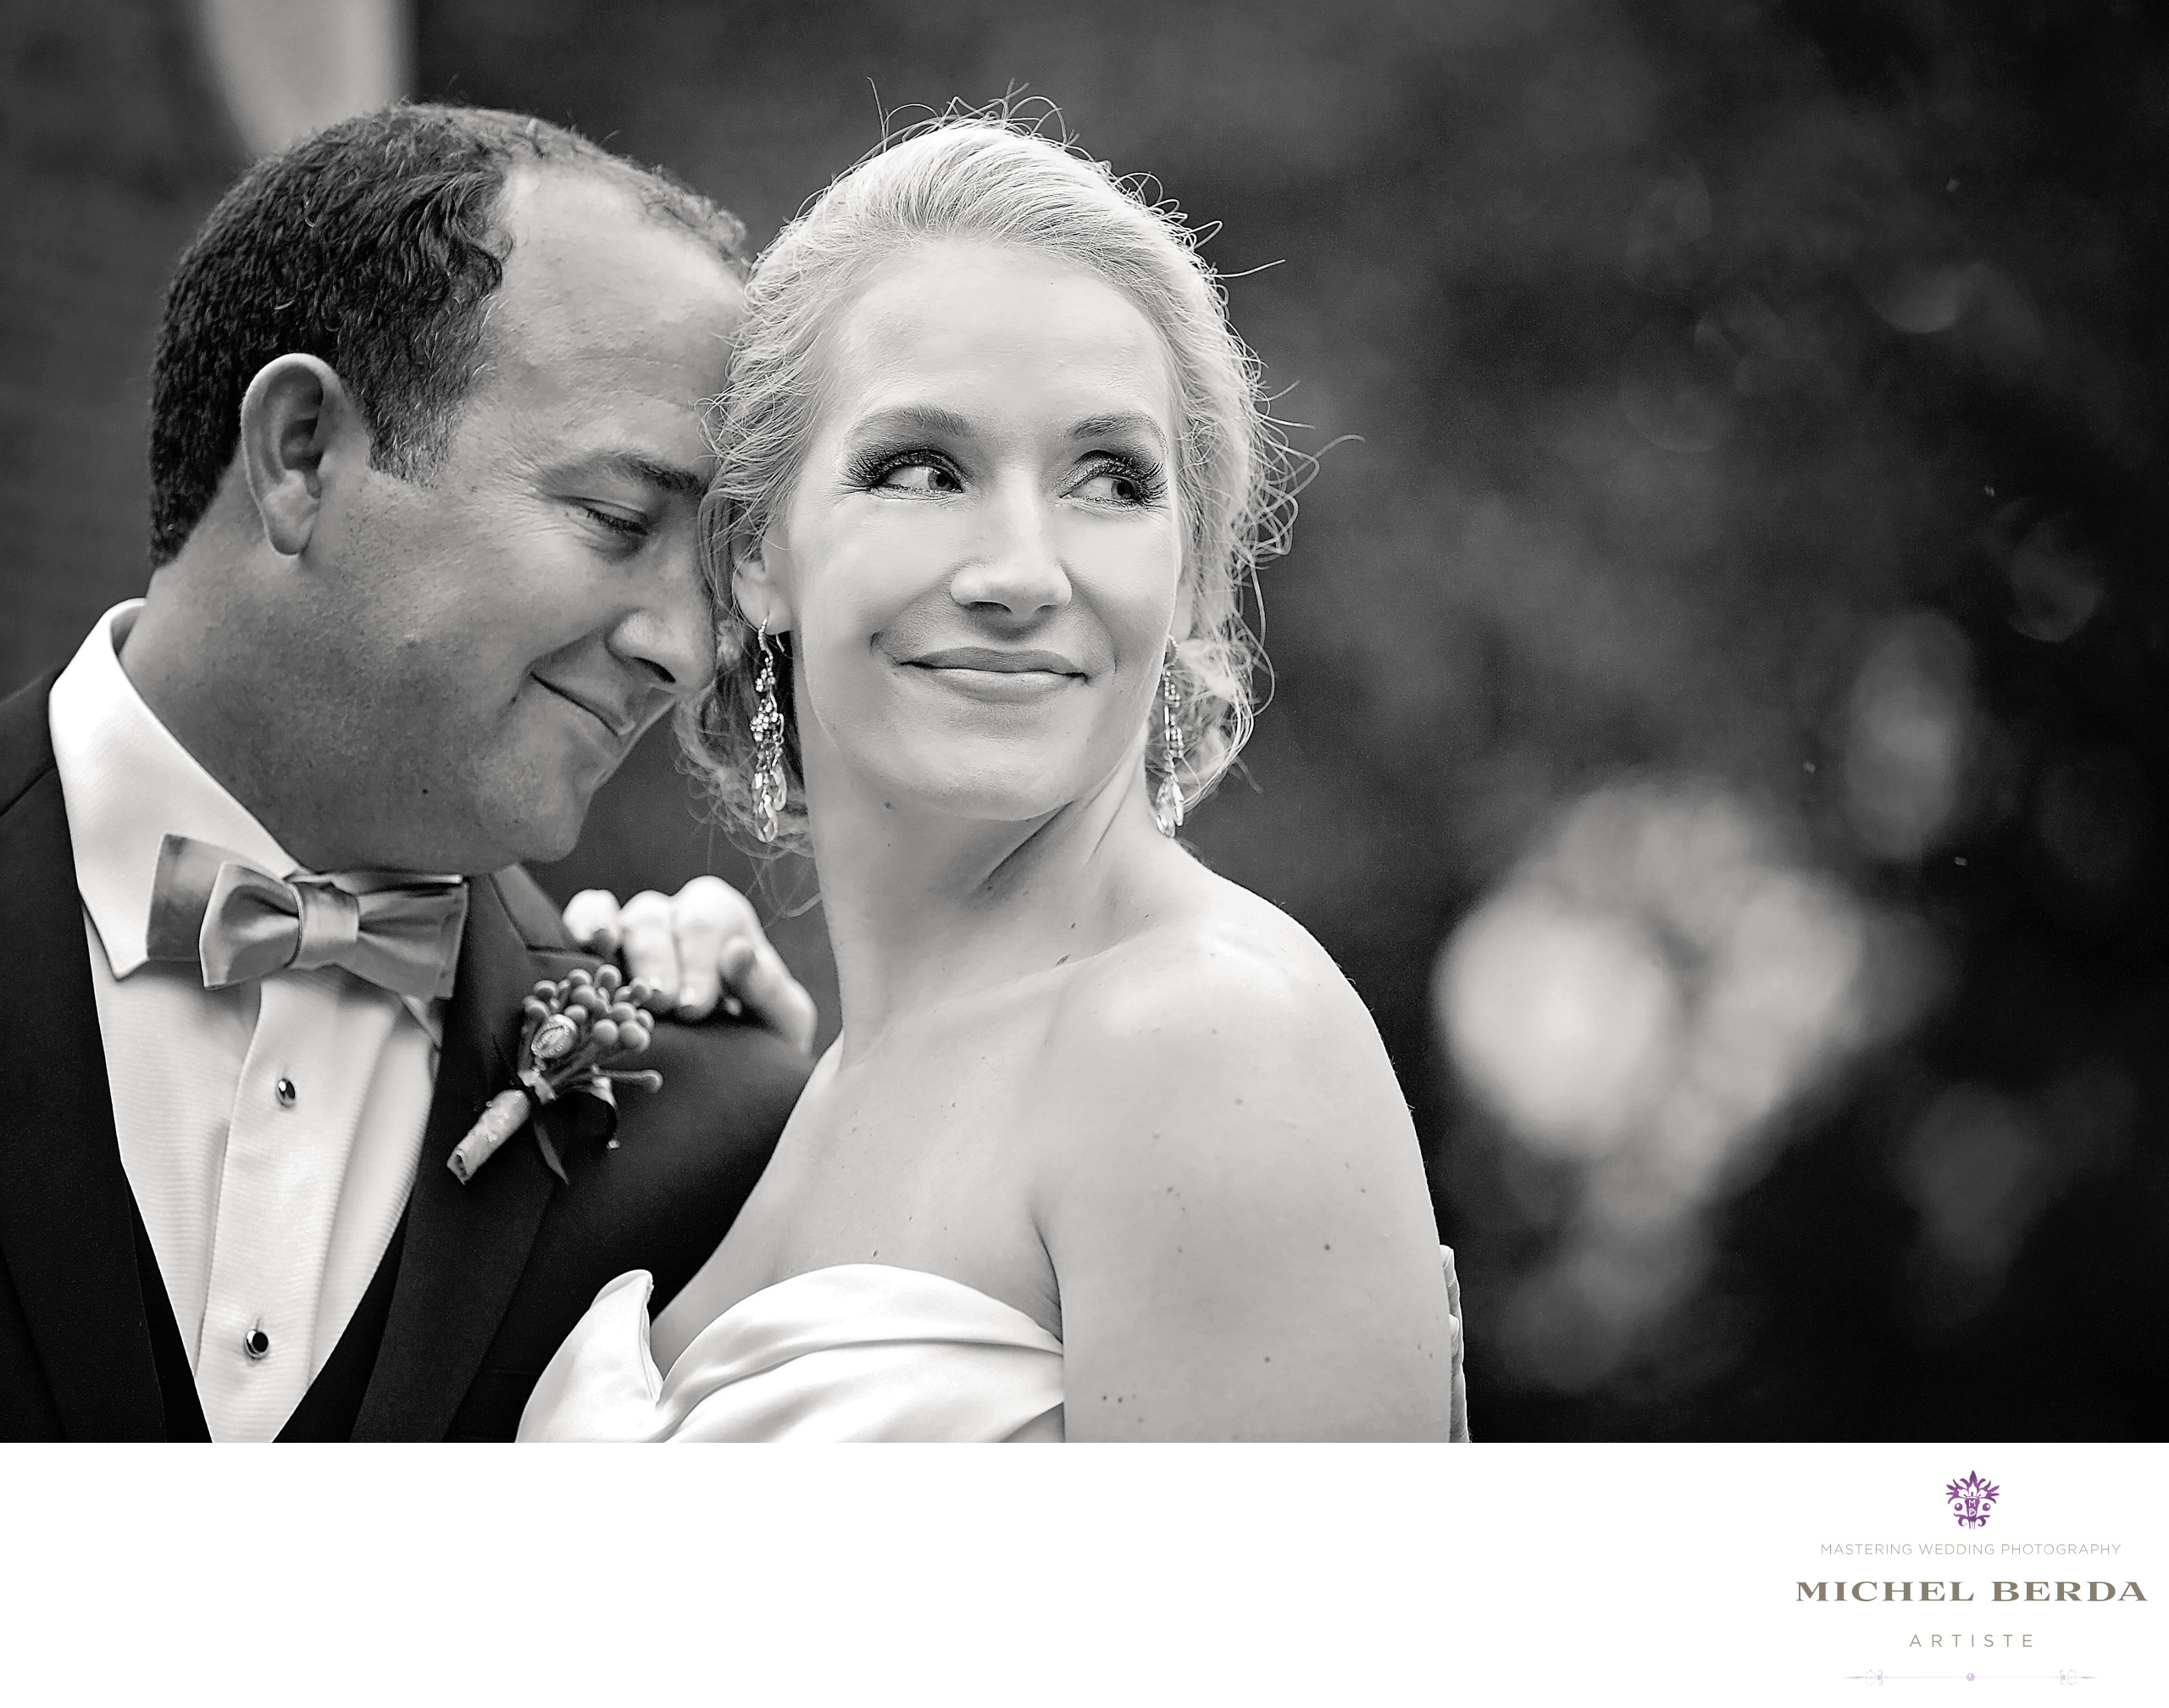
pixel 270 1131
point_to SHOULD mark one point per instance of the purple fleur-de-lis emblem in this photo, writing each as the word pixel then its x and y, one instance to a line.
pixel 1971 1497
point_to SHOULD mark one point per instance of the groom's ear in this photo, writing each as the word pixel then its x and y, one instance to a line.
pixel 295 414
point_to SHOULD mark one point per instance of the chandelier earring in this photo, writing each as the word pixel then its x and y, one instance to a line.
pixel 1167 800
pixel 770 787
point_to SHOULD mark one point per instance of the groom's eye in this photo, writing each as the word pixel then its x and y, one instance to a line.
pixel 626 524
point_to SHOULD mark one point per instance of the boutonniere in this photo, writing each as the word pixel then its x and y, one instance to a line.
pixel 573 1029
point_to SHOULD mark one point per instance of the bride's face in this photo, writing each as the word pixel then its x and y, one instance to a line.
pixel 981 558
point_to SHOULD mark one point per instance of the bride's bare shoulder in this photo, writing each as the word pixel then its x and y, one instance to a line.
pixel 1219 995
pixel 1232 1195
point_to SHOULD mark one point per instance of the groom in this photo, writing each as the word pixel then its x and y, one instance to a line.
pixel 426 459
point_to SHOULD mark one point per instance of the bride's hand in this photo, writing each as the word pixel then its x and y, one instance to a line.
pixel 699 948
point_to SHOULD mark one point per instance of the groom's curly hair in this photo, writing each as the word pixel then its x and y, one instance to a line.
pixel 374 246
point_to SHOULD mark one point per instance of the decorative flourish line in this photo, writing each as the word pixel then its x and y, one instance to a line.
pixel 1875 1675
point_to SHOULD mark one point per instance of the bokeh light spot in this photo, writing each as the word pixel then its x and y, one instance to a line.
pixel 1645 996
pixel 1974 1168
pixel 1564 1018
pixel 2056 584
pixel 1906 736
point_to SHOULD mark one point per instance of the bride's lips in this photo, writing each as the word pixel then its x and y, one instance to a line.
pixel 997 673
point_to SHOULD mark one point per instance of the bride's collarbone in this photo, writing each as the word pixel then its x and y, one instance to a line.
pixel 946 1195
pixel 913 1157
pixel 916 1123
pixel 933 1067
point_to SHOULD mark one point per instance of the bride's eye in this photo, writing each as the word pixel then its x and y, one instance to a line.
pixel 916 472
pixel 1118 481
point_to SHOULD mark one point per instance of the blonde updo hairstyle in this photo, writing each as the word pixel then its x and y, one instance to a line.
pixel 987 176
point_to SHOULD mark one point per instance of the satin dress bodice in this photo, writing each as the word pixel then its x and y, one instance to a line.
pixel 855 1352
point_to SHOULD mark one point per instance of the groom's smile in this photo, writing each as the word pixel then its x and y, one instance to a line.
pixel 479 648
pixel 426 457
pixel 576 574
pixel 620 730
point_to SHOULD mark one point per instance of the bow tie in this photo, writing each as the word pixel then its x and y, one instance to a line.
pixel 209 907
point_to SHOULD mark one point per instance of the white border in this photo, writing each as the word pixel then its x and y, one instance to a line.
pixel 1357 1575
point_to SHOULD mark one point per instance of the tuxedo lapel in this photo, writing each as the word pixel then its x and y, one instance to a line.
pixel 466 1246
pixel 67 1220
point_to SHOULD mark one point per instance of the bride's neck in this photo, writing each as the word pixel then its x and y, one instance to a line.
pixel 924 908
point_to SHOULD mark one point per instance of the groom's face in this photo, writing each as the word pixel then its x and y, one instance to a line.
pixel 508 626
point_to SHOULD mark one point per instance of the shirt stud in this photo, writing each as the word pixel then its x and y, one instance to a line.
pixel 285 1093
pixel 256 1343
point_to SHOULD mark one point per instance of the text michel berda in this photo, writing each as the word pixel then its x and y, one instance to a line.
pixel 1953 1589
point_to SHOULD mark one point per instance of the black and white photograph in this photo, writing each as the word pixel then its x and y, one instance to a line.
pixel 1418 723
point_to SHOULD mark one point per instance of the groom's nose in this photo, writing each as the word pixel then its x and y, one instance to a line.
pixel 670 630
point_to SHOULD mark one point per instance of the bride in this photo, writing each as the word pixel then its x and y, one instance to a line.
pixel 1108 1147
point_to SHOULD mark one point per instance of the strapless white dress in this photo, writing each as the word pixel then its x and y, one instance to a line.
pixel 856 1352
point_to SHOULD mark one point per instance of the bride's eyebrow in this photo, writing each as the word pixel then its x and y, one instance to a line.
pixel 913 418
pixel 924 420
pixel 1119 426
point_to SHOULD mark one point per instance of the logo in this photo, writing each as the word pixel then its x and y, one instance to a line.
pixel 1971 1498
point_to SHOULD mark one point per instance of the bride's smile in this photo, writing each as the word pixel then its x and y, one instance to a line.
pixel 980 563
pixel 994 672
pixel 1106 1147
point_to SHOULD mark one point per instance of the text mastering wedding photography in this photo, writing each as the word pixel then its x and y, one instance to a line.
pixel 1264 738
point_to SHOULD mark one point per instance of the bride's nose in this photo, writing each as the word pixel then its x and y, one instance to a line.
pixel 1016 561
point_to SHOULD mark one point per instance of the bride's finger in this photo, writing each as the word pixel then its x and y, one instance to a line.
pixel 592 921
pixel 650 946
pixel 774 998
pixel 703 935
pixel 705 916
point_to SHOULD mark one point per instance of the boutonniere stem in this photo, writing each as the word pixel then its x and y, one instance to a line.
pixel 574 1029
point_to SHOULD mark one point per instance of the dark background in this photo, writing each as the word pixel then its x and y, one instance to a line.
pixel 1730 596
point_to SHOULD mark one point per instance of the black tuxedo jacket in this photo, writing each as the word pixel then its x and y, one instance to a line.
pixel 481 1282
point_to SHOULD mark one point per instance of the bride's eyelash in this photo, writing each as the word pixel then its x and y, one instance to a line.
pixel 1148 476
pixel 869 468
